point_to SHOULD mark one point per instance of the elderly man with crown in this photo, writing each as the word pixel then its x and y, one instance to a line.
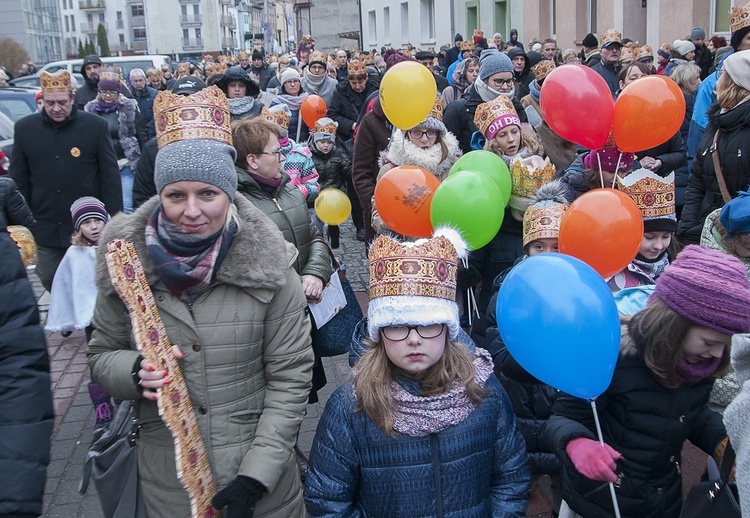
pixel 61 154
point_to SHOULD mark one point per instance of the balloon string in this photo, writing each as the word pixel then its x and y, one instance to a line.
pixel 617 169
pixel 601 441
pixel 601 174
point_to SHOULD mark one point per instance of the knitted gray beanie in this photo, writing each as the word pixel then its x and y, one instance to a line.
pixel 207 161
pixel 494 63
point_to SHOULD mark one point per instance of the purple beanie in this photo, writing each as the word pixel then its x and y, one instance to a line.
pixel 708 288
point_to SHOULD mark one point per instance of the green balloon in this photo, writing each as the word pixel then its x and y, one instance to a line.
pixel 489 164
pixel 471 203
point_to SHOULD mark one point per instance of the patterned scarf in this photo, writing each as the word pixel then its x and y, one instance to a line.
pixel 101 107
pixel 418 416
pixel 652 269
pixel 185 262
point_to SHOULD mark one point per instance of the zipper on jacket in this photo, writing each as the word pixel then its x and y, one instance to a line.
pixel 291 227
pixel 435 447
pixel 190 308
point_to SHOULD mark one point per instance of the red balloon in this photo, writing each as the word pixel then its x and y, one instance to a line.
pixel 312 109
pixel 604 229
pixel 577 105
pixel 648 112
pixel 403 197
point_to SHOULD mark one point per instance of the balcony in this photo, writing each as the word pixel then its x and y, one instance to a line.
pixel 137 21
pixel 225 2
pixel 90 28
pixel 192 43
pixel 91 5
pixel 141 44
pixel 190 19
pixel 228 21
pixel 228 43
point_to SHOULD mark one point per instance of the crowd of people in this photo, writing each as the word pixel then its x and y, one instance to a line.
pixel 212 171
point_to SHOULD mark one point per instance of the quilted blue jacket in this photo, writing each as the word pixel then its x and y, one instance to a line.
pixel 476 468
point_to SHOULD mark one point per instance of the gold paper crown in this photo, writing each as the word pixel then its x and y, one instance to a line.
pixel 367 59
pixel 437 110
pixel 154 73
pixel 542 69
pixel 203 115
pixel 242 55
pixel 273 59
pixel 644 52
pixel 654 195
pixel 629 52
pixel 542 222
pixel 356 68
pixel 611 36
pixel 308 41
pixel 426 269
pixel 467 45
pixel 280 117
pixel 666 47
pixel 489 112
pixel 529 174
pixel 225 60
pixel 59 82
pixel 326 125
pixel 26 245
pixel 317 56
pixel 183 68
pixel 739 17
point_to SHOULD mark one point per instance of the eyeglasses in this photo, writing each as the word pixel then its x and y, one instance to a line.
pixel 108 92
pixel 502 82
pixel 316 68
pixel 279 153
pixel 418 134
pixel 400 333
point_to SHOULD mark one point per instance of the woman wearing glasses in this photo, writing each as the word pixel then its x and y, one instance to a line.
pixel 428 145
pixel 126 129
pixel 422 428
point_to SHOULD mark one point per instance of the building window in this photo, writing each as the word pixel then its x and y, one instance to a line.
pixel 472 17
pixel 122 38
pixel 183 10
pixel 185 34
pixel 553 18
pixel 405 21
pixel 720 15
pixel 101 17
pixel 136 10
pixel 592 16
pixel 139 34
pixel 373 27
pixel 196 9
pixel 386 24
pixel 501 17
pixel 73 22
pixel 427 19
pixel 197 34
pixel 67 24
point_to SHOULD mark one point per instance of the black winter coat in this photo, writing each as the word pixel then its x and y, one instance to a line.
pixel 334 169
pixel 459 119
pixel 672 153
pixel 646 422
pixel 532 400
pixel 703 195
pixel 264 73
pixel 146 107
pixel 346 106
pixel 13 207
pixel 54 164
pixel 26 415
pixel 143 185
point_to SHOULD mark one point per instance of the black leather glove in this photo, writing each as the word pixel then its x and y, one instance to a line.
pixel 468 277
pixel 240 495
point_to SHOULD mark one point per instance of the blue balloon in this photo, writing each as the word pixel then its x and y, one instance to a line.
pixel 559 320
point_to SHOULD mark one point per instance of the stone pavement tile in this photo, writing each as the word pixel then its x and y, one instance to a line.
pixel 63 511
pixel 70 379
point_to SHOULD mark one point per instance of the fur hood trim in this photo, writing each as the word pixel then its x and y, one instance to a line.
pixel 126 127
pixel 252 260
pixel 627 345
pixel 400 153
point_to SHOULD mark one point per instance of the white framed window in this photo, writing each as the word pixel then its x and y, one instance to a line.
pixel 405 22
pixel 427 19
pixel 720 16
pixel 386 25
pixel 591 22
pixel 372 26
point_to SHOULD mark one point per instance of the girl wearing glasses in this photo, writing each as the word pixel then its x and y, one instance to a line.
pixel 422 428
pixel 428 145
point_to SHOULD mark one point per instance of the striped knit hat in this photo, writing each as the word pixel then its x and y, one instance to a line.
pixel 85 208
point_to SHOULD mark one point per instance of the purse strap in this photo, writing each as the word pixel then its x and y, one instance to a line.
pixel 717 169
pixel 727 462
pixel 334 262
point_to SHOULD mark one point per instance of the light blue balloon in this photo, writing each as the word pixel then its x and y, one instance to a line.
pixel 559 320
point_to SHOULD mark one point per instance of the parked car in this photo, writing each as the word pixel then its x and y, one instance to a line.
pixel 34 80
pixel 17 101
pixel 124 63
pixel 6 143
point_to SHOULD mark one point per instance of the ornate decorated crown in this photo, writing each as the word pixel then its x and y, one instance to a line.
pixel 544 215
pixel 494 115
pixel 437 110
pixel 645 52
pixel 424 269
pixel 529 174
pixel 278 116
pixel 110 74
pixel 542 69
pixel 203 115
pixel 654 195
pixel 467 45
pixel 629 52
pixel 739 17
pixel 356 68
pixel 317 56
pixel 58 82
pixel 611 36
pixel 326 125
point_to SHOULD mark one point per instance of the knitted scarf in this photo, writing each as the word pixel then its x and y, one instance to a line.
pixel 98 106
pixel 241 105
pixel 487 93
pixel 185 262
pixel 293 101
pixel 418 416
pixel 534 91
pixel 690 372
pixel 652 269
pixel 318 84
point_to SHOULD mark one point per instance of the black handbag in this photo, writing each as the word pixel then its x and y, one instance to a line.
pixel 717 497
pixel 112 461
pixel 335 337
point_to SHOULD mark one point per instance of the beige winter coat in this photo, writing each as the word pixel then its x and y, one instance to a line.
pixel 248 364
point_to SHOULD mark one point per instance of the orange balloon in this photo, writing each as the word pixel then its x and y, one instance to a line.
pixel 403 197
pixel 312 109
pixel 648 112
pixel 604 229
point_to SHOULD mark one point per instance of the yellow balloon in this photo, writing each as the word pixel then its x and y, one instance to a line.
pixel 333 206
pixel 407 94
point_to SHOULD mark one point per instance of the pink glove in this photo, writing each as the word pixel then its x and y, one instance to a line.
pixel 593 460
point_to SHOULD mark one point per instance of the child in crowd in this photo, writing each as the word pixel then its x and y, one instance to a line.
pixel 728 229
pixel 73 295
pixel 422 428
pixel 297 159
pixel 655 198
pixel 670 354
pixel 332 165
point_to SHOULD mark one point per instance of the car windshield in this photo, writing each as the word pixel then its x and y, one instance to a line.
pixel 15 108
pixel 6 128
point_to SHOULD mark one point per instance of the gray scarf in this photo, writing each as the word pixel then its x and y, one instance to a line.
pixel 241 106
pixel 487 93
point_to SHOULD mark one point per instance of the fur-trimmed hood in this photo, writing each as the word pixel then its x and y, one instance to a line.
pixel 627 345
pixel 402 152
pixel 251 262
pixel 126 129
